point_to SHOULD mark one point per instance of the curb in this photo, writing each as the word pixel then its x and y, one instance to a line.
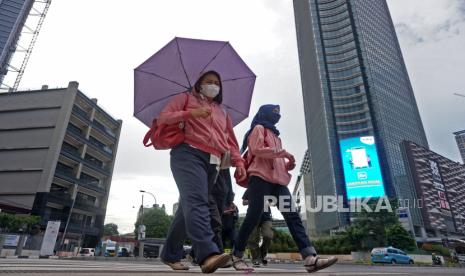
pixel 30 257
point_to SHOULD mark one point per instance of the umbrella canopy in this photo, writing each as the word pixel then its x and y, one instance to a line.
pixel 177 66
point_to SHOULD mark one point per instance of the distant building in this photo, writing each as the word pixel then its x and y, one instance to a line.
pixel 440 185
pixel 57 153
pixel 460 138
pixel 175 208
pixel 13 15
pixel 358 101
pixel 145 209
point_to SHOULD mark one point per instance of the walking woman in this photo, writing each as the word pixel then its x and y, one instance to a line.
pixel 209 137
pixel 269 176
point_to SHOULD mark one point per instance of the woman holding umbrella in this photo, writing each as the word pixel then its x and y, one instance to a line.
pixel 209 137
pixel 269 176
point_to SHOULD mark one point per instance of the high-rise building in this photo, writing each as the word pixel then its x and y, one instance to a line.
pixel 358 100
pixel 440 185
pixel 13 15
pixel 57 153
pixel 460 138
pixel 175 208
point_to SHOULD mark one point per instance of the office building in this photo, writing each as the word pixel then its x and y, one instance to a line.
pixel 13 15
pixel 440 184
pixel 57 153
pixel 175 207
pixel 358 101
pixel 460 138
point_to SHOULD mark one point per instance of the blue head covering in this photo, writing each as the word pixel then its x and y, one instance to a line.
pixel 267 117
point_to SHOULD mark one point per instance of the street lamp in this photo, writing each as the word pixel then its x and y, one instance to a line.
pixel 141 230
pixel 142 191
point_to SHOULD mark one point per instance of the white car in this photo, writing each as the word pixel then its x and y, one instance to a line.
pixel 87 252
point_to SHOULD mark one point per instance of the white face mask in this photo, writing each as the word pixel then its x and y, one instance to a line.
pixel 210 90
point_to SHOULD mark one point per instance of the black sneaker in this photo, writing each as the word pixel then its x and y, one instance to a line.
pixel 265 262
pixel 256 263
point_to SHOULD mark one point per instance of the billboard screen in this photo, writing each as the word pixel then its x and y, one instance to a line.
pixel 362 172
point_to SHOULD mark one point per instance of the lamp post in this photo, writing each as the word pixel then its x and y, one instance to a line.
pixel 142 191
pixel 141 230
pixel 74 195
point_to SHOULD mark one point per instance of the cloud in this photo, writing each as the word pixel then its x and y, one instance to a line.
pixel 429 20
pixel 432 46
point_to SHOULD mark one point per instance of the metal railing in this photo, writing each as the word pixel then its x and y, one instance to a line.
pixel 81 113
pixel 96 145
pixel 103 128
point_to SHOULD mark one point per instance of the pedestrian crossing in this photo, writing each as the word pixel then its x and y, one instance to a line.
pixel 82 266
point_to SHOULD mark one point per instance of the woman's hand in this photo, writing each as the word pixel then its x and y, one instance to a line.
pixel 290 166
pixel 201 112
pixel 241 174
pixel 290 157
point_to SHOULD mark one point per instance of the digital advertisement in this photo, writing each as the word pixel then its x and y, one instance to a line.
pixel 362 172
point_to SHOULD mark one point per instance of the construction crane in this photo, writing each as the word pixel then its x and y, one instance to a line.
pixel 35 34
pixel 25 44
pixel 460 95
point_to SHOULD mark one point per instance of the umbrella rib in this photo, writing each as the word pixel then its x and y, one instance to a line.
pixel 241 78
pixel 157 100
pixel 240 112
pixel 182 64
pixel 158 76
pixel 213 58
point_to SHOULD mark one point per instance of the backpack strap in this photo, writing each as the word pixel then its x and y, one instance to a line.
pixel 154 124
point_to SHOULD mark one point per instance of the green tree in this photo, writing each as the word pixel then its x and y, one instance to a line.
pixel 400 238
pixel 156 223
pixel 333 245
pixel 283 242
pixel 110 229
pixel 13 223
pixel 369 229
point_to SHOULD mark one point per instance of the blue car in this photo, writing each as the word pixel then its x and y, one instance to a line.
pixel 390 255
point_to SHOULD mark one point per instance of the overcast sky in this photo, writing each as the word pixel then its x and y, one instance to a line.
pixel 99 43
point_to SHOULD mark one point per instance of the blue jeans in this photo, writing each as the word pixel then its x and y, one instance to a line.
pixel 194 176
pixel 257 190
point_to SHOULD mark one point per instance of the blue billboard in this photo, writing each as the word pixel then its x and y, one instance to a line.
pixel 362 172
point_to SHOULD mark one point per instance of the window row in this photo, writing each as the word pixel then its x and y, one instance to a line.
pixel 345 73
pixel 344 84
pixel 334 19
pixel 334 50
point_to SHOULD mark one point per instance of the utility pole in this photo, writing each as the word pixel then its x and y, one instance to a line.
pixel 75 191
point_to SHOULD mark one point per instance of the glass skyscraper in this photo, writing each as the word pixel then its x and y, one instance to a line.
pixel 460 138
pixel 358 100
pixel 13 14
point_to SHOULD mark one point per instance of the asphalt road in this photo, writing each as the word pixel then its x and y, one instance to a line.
pixel 49 267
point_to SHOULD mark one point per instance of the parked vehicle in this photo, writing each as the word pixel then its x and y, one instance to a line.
pixel 390 255
pixel 87 252
pixel 110 252
pixel 186 250
pixel 150 250
pixel 123 252
pixel 436 259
